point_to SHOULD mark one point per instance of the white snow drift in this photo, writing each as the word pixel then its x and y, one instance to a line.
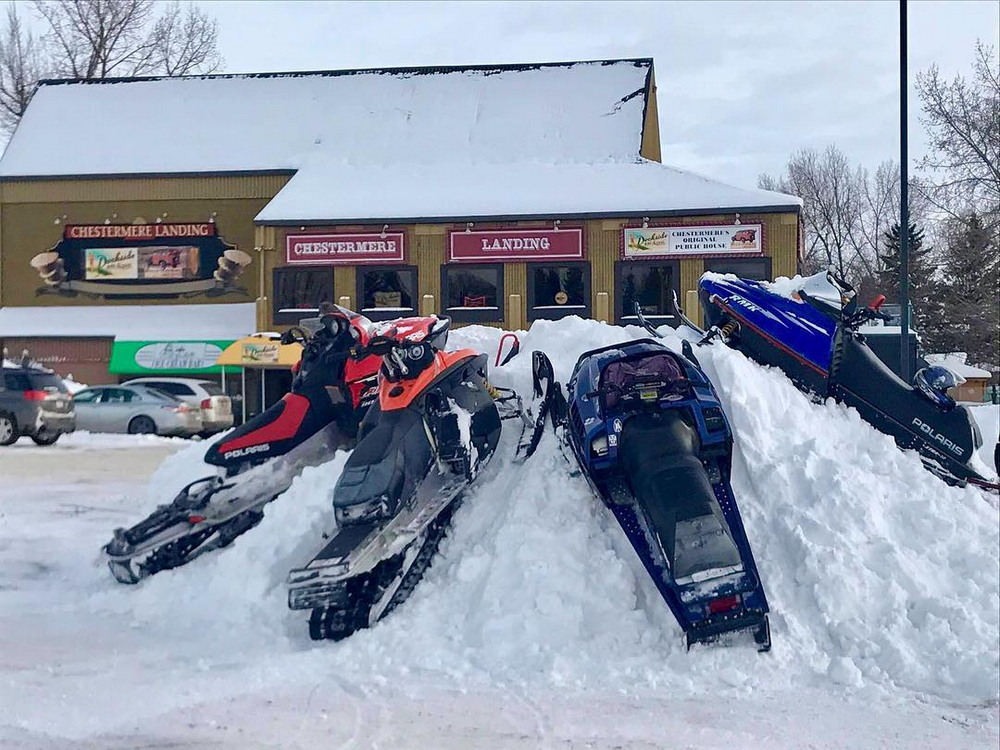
pixel 876 571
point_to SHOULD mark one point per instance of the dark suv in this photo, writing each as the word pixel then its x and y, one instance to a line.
pixel 34 402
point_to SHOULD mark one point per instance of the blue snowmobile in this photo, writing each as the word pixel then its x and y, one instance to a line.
pixel 814 339
pixel 649 432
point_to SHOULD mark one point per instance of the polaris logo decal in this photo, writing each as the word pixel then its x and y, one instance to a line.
pixel 617 425
pixel 937 437
pixel 248 451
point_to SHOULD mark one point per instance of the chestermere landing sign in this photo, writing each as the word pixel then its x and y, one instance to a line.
pixel 136 231
pixel 519 244
pixel 324 249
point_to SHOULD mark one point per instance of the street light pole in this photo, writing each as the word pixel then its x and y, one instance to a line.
pixel 904 209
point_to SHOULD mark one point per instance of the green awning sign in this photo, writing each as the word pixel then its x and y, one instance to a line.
pixel 186 357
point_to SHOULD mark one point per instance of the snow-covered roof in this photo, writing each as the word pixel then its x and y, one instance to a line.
pixel 956 362
pixel 584 112
pixel 220 322
pixel 325 191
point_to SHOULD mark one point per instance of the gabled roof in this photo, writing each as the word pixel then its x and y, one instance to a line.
pixel 580 112
pixel 328 193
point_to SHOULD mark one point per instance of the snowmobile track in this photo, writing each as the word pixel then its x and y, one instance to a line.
pixel 334 623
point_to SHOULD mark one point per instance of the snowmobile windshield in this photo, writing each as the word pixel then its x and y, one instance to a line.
pixel 821 287
pixel 648 379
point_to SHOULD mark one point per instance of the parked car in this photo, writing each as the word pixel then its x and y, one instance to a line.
pixel 216 407
pixel 34 402
pixel 135 409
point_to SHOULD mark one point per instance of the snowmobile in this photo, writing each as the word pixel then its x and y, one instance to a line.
pixel 648 430
pixel 257 461
pixel 814 338
pixel 433 429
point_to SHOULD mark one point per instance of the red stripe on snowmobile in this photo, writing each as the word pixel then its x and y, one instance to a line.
pixel 360 375
pixel 282 428
pixel 777 344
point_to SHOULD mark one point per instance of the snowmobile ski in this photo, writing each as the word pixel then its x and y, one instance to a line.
pixel 257 461
pixel 648 430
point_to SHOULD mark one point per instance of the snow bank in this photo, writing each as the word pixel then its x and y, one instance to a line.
pixel 878 574
pixel 82 440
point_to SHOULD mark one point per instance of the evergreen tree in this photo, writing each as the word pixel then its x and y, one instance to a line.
pixel 925 291
pixel 971 263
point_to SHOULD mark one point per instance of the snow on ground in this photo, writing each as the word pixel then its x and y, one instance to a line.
pixel 536 626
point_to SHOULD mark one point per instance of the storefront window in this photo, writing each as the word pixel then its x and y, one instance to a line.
pixel 650 284
pixel 746 268
pixel 555 291
pixel 387 292
pixel 298 292
pixel 473 293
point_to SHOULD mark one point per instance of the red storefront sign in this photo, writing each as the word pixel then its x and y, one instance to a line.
pixel 324 249
pixel 516 244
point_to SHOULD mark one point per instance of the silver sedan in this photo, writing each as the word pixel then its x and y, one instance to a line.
pixel 136 410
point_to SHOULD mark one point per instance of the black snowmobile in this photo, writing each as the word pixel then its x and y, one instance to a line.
pixel 435 426
pixel 256 462
pixel 814 339
pixel 648 430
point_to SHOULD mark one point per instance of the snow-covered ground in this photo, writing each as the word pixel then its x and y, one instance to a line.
pixel 536 626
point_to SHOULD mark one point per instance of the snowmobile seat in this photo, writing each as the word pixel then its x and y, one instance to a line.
pixel 621 380
pixel 659 452
pixel 386 465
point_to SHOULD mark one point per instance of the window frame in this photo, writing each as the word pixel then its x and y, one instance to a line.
pixel 289 317
pixel 98 395
pixel 373 314
pixel 632 319
pixel 559 313
pixel 766 258
pixel 473 315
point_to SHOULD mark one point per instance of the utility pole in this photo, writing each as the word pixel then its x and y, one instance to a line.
pixel 904 209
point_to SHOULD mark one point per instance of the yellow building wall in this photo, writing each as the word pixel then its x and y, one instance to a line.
pixel 427 249
pixel 34 213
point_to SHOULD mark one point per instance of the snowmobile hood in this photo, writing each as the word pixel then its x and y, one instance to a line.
pixel 400 394
pixel 792 325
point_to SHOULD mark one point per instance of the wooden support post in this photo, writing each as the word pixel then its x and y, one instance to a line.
pixel 691 307
pixel 602 310
pixel 515 321
pixel 427 305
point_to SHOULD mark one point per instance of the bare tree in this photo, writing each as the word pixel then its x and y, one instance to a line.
pixel 99 38
pixel 962 169
pixel 90 39
pixel 186 41
pixel 832 193
pixel 846 210
pixel 21 65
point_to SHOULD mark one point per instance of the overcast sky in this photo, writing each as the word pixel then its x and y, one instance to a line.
pixel 740 84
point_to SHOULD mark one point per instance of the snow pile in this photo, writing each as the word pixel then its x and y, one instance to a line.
pixel 958 363
pixel 72 386
pixel 82 440
pixel 878 574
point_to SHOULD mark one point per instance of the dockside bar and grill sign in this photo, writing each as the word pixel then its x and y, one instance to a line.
pixel 326 249
pixel 692 241
pixel 516 244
